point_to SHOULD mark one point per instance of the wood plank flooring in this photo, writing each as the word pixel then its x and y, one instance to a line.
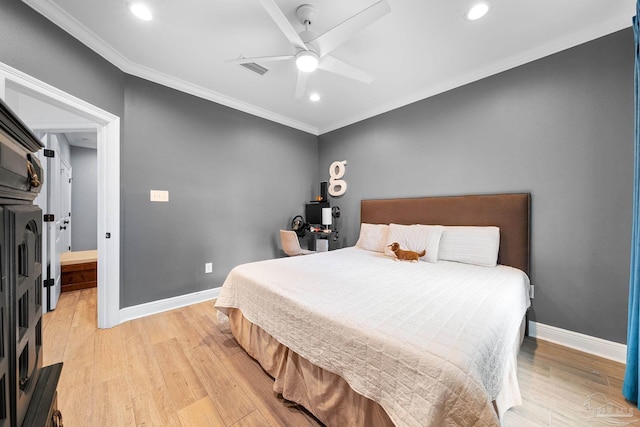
pixel 182 368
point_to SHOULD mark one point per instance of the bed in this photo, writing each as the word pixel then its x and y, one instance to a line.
pixel 359 339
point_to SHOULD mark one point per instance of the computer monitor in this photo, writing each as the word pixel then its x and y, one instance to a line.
pixel 313 212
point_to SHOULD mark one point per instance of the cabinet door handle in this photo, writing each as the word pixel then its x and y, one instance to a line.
pixel 33 176
pixel 62 227
pixel 27 376
pixel 57 418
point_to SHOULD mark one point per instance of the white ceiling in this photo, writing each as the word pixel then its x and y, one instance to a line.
pixel 421 48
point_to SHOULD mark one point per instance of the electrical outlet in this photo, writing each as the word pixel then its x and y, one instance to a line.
pixel 208 267
pixel 531 293
pixel 158 195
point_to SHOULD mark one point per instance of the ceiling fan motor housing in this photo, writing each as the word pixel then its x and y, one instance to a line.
pixel 306 14
pixel 306 36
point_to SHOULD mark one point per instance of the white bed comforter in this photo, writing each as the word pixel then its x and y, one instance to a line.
pixel 428 342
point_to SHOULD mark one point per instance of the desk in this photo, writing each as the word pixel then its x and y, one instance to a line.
pixel 330 238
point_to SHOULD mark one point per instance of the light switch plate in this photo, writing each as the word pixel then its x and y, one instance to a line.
pixel 208 267
pixel 159 195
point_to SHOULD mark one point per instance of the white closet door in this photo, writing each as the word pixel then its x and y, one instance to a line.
pixel 41 201
pixel 65 206
pixel 54 227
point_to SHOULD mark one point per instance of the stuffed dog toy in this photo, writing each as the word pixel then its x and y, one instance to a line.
pixel 405 255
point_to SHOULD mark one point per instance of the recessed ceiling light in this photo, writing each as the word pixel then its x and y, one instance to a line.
pixel 477 11
pixel 314 97
pixel 140 10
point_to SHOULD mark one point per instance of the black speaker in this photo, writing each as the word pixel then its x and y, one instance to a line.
pixel 323 190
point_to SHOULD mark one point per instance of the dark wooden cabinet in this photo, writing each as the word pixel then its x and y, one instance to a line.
pixel 23 230
pixel 43 409
pixel 27 390
pixel 6 414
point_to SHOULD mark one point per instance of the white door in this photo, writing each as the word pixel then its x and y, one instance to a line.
pixel 53 227
pixel 65 207
pixel 54 199
pixel 41 201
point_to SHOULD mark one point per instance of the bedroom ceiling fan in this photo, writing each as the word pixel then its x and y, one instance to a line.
pixel 311 50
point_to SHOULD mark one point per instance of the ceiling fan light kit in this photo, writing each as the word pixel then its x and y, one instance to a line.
pixel 307 61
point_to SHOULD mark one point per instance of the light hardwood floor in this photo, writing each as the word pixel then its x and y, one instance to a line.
pixel 181 368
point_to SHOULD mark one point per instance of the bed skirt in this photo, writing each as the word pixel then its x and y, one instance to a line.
pixel 326 395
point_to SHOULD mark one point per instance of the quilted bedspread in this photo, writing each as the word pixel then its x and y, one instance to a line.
pixel 428 342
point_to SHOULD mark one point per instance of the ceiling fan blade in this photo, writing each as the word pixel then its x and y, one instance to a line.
pixel 301 83
pixel 259 59
pixel 334 65
pixel 342 32
pixel 281 21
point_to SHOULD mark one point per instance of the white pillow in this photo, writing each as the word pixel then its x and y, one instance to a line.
pixel 471 245
pixel 415 238
pixel 373 237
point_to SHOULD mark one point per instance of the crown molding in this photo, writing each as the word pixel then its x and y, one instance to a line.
pixel 65 21
pixel 525 57
pixel 195 90
pixel 95 43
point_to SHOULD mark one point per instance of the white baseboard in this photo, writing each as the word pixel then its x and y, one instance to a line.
pixel 585 343
pixel 149 308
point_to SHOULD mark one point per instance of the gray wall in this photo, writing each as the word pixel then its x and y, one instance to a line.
pixel 560 128
pixel 35 46
pixel 233 179
pixel 84 199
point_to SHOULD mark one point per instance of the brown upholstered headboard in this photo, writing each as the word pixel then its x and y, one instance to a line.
pixel 509 212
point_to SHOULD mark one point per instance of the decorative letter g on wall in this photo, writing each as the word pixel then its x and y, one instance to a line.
pixel 337 185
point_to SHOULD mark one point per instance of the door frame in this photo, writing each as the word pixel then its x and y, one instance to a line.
pixel 107 126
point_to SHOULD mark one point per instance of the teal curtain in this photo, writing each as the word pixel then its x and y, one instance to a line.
pixel 631 379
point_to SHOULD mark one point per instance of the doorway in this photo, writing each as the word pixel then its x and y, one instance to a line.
pixel 107 127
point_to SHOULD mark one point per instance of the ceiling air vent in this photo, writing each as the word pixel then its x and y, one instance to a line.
pixel 252 66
